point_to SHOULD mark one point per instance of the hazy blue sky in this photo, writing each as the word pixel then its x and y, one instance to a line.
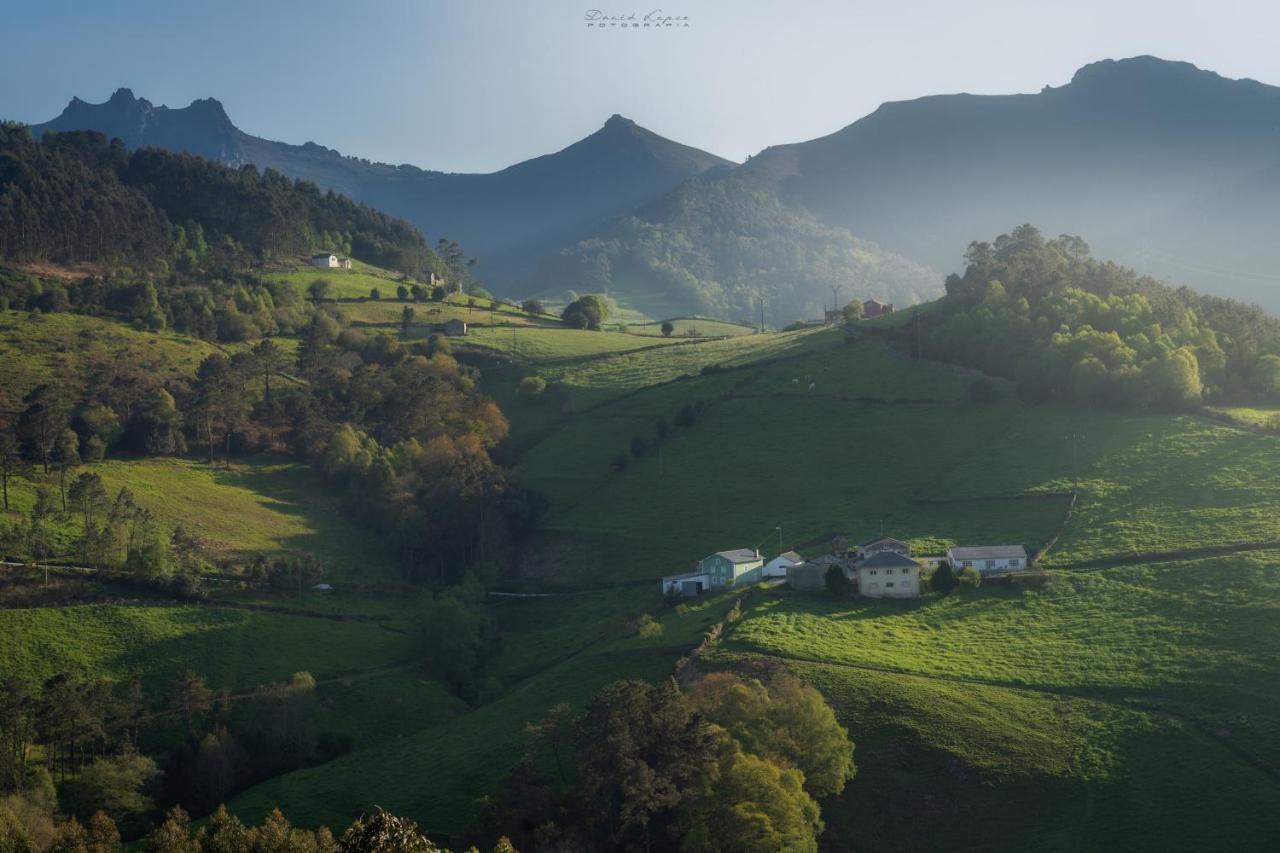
pixel 474 85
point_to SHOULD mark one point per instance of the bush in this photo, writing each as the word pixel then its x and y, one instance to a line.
pixel 645 627
pixel 943 580
pixel 667 328
pixel 531 386
pixel 837 584
pixel 970 578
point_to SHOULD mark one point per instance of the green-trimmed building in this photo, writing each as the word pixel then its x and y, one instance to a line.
pixel 733 568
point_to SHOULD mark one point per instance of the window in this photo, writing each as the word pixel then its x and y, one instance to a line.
pixel 991 564
pixel 889 584
pixel 873 571
pixel 904 571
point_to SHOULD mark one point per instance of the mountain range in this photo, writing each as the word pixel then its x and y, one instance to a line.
pixel 1158 164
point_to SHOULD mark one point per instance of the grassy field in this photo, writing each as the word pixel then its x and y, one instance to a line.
pixel 1153 684
pixel 234 649
pixel 855 439
pixel 578 648
pixel 264 504
pixel 704 327
pixel 72 348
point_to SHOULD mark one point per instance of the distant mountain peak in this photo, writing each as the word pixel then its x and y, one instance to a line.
pixel 617 120
pixel 121 95
pixel 1145 69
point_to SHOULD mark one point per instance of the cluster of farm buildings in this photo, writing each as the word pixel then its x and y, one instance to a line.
pixel 882 567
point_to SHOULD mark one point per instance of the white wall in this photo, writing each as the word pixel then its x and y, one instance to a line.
pixel 905 582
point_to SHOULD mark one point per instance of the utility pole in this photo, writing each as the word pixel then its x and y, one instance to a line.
pixel 762 315
pixel 779 529
pixel 835 297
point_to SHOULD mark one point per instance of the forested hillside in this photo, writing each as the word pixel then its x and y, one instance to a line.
pixel 74 196
pixel 1068 326
pixel 724 244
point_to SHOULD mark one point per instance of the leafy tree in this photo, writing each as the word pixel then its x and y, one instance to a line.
pixel 11 463
pixel 383 832
pixel 269 361
pixel 67 454
pixel 853 312
pixel 785 720
pixel 43 421
pixel 191 698
pixel 533 306
pixel 755 807
pixel 438 293
pixel 970 578
pixel 402 292
pixel 943 580
pixel 89 495
pixel 318 290
pixel 837 584
pixel 667 328
pixel 406 320
pixel 119 786
pixel 375 294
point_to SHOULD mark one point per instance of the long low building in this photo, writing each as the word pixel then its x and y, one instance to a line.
pixel 988 558
pixel 687 585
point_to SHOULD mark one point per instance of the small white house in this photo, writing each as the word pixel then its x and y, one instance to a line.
pixel 326 261
pixel 687 585
pixel 989 558
pixel 889 575
pixel 777 567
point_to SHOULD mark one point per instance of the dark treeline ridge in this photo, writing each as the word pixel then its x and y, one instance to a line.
pixel 1067 326
pixel 75 196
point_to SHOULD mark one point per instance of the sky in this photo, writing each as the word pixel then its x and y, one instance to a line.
pixel 476 85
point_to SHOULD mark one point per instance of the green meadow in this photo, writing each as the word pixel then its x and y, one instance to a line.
pixel 261 505
pixel 230 648
pixel 75 347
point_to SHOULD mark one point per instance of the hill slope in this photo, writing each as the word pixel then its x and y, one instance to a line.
pixel 505 218
pixel 1164 165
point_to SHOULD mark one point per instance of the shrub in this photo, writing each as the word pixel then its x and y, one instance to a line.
pixel 531 386
pixel 667 328
pixel 375 294
pixel 970 578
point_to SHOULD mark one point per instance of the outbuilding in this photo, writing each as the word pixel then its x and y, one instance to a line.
pixel 989 558
pixel 777 567
pixel 687 585
pixel 455 327
pixel 326 260
pixel 807 577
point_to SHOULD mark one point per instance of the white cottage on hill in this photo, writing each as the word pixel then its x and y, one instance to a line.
pixel 777 567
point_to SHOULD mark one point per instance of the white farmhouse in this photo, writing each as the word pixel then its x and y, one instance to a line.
pixel 989 558
pixel 777 567
pixel 889 575
pixel 327 261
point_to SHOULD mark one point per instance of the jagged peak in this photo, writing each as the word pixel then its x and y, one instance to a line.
pixel 121 95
